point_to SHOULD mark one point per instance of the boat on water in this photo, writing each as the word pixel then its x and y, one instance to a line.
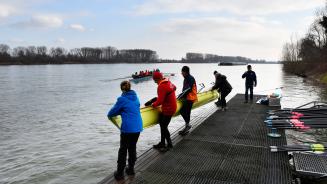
pixel 141 76
pixel 141 79
pixel 147 75
pixel 144 74
pixel 231 63
pixel 150 115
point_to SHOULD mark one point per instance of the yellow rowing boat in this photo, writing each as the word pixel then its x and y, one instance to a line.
pixel 150 115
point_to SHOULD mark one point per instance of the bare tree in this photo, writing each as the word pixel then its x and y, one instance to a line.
pixel 4 49
pixel 41 50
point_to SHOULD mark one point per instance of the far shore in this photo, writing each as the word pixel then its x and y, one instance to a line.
pixel 68 63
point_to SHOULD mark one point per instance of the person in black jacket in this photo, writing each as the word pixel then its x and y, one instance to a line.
pixel 188 97
pixel 250 82
pixel 224 88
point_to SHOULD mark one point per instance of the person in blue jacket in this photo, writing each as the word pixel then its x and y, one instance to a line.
pixel 128 106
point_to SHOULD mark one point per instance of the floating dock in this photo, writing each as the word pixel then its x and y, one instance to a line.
pixel 230 147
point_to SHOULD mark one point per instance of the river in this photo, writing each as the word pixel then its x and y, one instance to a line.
pixel 54 129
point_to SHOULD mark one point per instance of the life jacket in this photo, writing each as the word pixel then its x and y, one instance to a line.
pixel 192 95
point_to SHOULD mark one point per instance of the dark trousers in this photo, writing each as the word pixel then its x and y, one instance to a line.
pixel 223 95
pixel 164 122
pixel 127 143
pixel 186 111
pixel 247 88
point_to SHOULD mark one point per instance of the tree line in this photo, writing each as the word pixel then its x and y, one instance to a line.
pixel 308 55
pixel 59 55
pixel 87 55
pixel 212 58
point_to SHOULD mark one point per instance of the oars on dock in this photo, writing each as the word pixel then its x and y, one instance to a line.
pixel 288 110
pixel 296 117
pixel 290 148
pixel 302 111
pixel 297 124
pixel 318 121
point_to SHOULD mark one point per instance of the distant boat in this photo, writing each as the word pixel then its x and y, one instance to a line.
pixel 148 76
pixel 231 63
pixel 144 74
pixel 141 79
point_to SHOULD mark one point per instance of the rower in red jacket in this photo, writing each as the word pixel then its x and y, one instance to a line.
pixel 167 100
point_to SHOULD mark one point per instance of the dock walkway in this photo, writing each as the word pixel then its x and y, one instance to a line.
pixel 230 147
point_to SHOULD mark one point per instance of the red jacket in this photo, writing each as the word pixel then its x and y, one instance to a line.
pixel 166 97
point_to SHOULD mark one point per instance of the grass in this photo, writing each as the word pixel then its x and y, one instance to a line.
pixel 324 78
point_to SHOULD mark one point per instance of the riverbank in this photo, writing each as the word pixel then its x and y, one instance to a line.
pixel 311 70
pixel 323 78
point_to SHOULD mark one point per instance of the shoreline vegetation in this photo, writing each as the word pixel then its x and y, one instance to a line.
pixel 307 56
pixel 41 55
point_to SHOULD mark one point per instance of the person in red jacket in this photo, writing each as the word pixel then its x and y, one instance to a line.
pixel 167 99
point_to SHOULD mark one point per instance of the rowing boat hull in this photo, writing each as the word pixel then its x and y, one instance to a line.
pixel 150 115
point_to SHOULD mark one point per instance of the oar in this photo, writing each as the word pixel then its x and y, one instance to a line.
pixel 296 117
pixel 297 110
pixel 298 127
pixel 309 147
pixel 202 86
pixel 183 93
pixel 127 77
pixel 323 107
pixel 322 118
pixel 170 74
pixel 296 121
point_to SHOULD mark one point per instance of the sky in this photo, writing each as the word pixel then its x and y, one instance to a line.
pixel 255 29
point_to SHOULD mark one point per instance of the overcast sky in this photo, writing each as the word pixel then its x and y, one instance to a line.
pixel 250 28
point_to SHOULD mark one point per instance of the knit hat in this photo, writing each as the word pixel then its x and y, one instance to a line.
pixel 157 76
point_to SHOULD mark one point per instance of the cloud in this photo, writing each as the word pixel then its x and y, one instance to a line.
pixel 229 29
pixel 6 10
pixel 77 27
pixel 17 41
pixel 225 36
pixel 41 21
pixel 60 41
pixel 241 7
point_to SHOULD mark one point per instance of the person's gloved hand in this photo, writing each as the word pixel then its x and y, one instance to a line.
pixel 150 102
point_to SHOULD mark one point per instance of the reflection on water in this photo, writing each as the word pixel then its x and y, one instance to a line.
pixel 53 126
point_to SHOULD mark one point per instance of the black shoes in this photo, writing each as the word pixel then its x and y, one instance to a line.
pixel 159 146
pixel 130 171
pixel 118 176
pixel 162 147
pixel 185 130
pixel 166 148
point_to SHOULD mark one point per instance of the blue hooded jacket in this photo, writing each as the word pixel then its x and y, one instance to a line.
pixel 128 106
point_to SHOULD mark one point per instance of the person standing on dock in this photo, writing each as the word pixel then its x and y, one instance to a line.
pixel 223 87
pixel 128 106
pixel 188 97
pixel 167 100
pixel 250 82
